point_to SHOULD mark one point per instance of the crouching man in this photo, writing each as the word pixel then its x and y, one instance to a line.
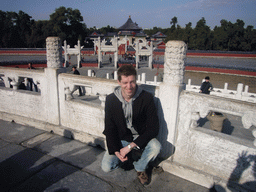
pixel 131 123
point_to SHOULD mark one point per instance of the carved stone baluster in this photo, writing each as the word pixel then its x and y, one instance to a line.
pixel 248 120
pixel 102 98
pixel 68 94
pixel 194 118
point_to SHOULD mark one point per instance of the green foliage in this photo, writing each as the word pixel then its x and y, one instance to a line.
pixel 227 37
pixel 15 29
pixel 67 24
pixel 18 30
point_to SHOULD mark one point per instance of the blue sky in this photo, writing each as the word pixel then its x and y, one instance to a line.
pixel 146 13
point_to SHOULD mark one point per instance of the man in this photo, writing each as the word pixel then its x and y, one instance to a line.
pixel 206 86
pixel 76 72
pixel 131 124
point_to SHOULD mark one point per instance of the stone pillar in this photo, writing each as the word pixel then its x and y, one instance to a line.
pixel 66 64
pixel 115 44
pixel 115 75
pixel 239 91
pixel 54 52
pixel 54 68
pixel 150 58
pixel 99 52
pixel 79 54
pixel 137 54
pixel 170 89
pixel 143 78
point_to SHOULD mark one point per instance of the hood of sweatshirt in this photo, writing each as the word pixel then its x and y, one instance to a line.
pixel 127 106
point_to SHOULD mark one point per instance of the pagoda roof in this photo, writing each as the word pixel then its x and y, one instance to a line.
pixel 141 34
pixel 111 34
pixel 130 26
pixel 96 34
pixel 159 35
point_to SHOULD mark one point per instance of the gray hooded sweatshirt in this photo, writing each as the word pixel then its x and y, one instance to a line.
pixel 127 108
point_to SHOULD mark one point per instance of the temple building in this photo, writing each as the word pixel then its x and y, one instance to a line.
pixel 158 39
pixel 132 31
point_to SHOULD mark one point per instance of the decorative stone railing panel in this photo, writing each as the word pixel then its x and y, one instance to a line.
pixel 81 113
pixel 22 102
pixel 208 151
pixel 238 94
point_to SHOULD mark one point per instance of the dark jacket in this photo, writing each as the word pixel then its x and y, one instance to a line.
pixel 205 87
pixel 76 72
pixel 145 121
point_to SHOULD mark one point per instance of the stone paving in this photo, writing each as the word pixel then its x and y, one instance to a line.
pixel 35 160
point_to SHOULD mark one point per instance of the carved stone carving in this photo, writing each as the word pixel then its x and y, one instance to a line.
pixel 54 52
pixel 194 118
pixel 175 55
pixel 249 119
pixel 102 98
pixel 68 94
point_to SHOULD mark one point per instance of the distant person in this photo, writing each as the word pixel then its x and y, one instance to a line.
pixel 30 66
pixel 206 86
pixel 110 59
pixel 93 73
pixel 76 72
pixel 30 80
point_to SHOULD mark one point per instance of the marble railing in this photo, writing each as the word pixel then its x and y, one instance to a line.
pixel 240 94
pixel 192 152
pixel 21 102
pixel 212 152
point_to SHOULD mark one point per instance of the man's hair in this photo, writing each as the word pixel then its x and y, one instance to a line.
pixel 126 70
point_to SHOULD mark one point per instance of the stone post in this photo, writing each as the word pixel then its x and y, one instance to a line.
pixel 79 54
pixel 65 47
pixel 54 68
pixel 115 44
pixel 54 52
pixel 89 73
pixel 99 53
pixel 239 90
pixel 143 78
pixel 225 88
pixel 115 75
pixel 170 89
pixel 150 58
pixel 137 54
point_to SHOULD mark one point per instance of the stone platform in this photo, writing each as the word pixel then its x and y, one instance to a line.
pixel 36 160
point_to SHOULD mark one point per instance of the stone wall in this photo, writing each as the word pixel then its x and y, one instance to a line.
pixel 218 157
pixel 195 153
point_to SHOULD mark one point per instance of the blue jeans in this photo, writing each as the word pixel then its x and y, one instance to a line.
pixel 152 149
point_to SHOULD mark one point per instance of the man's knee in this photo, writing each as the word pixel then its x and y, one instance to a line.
pixel 105 168
pixel 109 162
pixel 155 146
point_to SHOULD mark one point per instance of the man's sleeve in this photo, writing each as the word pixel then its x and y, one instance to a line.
pixel 111 132
pixel 152 124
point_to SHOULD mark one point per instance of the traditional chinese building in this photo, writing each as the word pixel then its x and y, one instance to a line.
pixel 132 31
pixel 158 39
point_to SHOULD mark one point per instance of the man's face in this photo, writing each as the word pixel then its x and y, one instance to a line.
pixel 128 86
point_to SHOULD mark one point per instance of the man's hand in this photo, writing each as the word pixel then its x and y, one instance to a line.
pixel 122 158
pixel 124 151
